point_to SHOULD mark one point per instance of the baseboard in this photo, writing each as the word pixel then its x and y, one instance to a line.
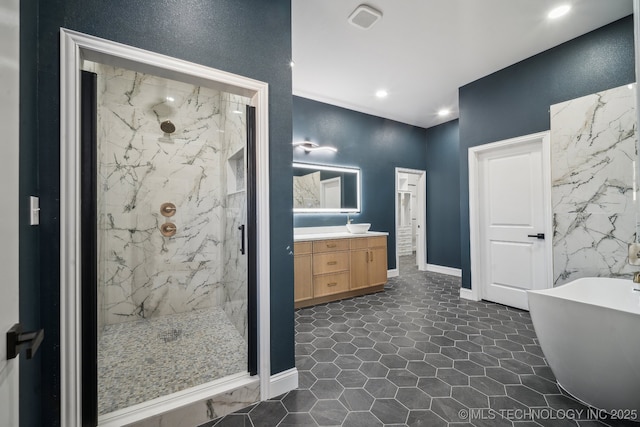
pixel 468 294
pixel 444 270
pixel 283 382
pixel 393 273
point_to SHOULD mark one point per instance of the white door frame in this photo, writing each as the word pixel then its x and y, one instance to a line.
pixel 9 220
pixel 421 216
pixel 475 293
pixel 74 48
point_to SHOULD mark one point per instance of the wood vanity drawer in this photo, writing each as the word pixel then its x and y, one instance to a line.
pixel 331 245
pixel 376 242
pixel 330 262
pixel 300 248
pixel 329 284
pixel 360 243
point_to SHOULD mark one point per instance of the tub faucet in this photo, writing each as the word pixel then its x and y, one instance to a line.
pixel 636 280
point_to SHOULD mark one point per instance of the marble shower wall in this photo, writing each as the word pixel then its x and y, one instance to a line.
pixel 593 154
pixel 142 273
pixel 234 274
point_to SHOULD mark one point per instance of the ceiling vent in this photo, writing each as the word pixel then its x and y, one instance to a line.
pixel 364 17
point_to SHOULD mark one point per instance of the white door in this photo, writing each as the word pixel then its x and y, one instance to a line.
pixel 330 193
pixel 513 225
pixel 9 70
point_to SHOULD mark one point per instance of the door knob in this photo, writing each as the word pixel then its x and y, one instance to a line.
pixel 18 340
pixel 537 236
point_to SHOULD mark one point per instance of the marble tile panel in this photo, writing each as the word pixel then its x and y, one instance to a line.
pixel 591 245
pixel 306 191
pixel 206 410
pixel 593 155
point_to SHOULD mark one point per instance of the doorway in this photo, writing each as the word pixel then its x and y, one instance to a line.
pixel 164 162
pixel 510 219
pixel 410 214
pixel 175 203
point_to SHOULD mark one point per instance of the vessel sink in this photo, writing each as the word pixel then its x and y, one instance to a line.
pixel 358 228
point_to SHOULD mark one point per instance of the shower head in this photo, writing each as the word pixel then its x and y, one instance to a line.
pixel 167 126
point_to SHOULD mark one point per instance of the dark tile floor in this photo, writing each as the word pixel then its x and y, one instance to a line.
pixel 418 355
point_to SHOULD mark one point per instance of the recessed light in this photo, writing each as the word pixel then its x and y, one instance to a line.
pixel 559 11
pixel 444 112
pixel 382 93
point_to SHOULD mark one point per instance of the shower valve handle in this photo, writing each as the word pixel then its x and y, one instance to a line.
pixel 537 236
pixel 168 209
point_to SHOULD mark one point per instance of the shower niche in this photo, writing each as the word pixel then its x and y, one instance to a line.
pixel 236 172
pixel 172 288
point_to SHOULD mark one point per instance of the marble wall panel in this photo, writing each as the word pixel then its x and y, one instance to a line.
pixel 235 272
pixel 202 411
pixel 593 154
pixel 143 273
pixel 306 191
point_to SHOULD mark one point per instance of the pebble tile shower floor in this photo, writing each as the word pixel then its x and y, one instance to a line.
pixel 418 355
pixel 145 359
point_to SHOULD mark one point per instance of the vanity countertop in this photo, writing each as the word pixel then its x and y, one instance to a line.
pixel 306 234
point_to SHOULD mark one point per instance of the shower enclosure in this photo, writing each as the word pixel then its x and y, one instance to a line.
pixel 165 170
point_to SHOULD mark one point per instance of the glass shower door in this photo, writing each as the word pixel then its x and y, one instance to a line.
pixel 170 190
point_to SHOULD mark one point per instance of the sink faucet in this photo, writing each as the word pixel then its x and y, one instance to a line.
pixel 349 222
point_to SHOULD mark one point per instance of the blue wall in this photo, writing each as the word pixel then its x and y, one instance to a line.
pixel 247 37
pixel 515 101
pixel 443 195
pixel 376 145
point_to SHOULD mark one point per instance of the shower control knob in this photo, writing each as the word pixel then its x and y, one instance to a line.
pixel 168 209
pixel 168 229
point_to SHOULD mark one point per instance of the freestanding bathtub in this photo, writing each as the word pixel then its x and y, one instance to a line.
pixel 589 332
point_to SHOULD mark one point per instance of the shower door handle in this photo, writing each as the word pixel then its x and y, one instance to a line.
pixel 241 228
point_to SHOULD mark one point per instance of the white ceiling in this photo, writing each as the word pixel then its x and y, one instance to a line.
pixel 422 51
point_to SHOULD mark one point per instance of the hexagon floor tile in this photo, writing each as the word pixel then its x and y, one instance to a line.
pixel 417 355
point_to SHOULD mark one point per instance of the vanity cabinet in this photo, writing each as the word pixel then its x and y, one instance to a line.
pixel 368 262
pixel 302 276
pixel 333 269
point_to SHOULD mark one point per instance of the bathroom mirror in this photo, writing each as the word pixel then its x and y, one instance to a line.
pixel 324 189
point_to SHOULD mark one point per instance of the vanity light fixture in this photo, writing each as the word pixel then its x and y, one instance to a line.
pixel 309 146
pixel 559 11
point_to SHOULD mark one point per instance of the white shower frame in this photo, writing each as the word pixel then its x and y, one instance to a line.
pixel 75 47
